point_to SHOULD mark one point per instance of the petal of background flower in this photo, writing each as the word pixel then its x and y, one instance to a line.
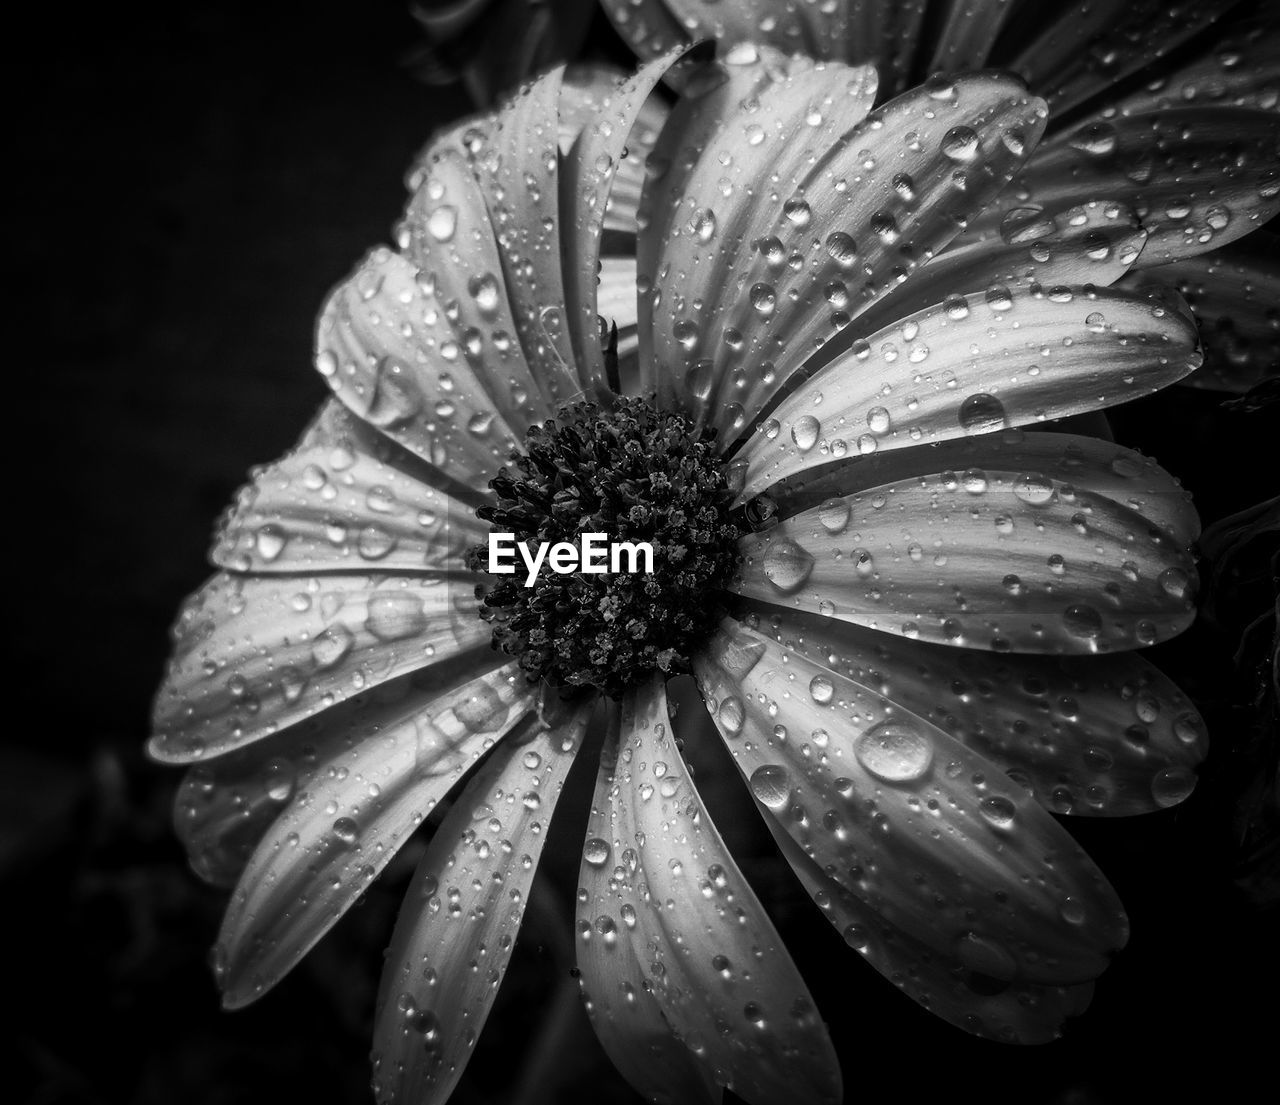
pixel 254 654
pixel 1083 49
pixel 973 364
pixel 674 943
pixel 1020 1012
pixel 648 26
pixel 225 805
pixel 447 233
pixel 985 559
pixel 1051 462
pixel 462 43
pixel 1099 736
pixel 345 499
pixel 389 355
pixel 932 836
pixel 969 29
pixel 1234 294
pixel 460 917
pixel 385 775
pixel 589 171
pixel 523 140
pixel 1198 177
pixel 850 213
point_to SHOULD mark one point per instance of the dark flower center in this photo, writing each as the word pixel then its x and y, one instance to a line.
pixel 634 474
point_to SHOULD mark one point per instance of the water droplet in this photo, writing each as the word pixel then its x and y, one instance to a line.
pixel 804 432
pixel 771 785
pixel 981 413
pixel 1172 785
pixel 998 810
pixel 895 751
pixel 596 851
pixel 787 565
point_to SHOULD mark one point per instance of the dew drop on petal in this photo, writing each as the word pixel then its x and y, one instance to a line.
pixel 787 565
pixel 895 751
pixel 771 785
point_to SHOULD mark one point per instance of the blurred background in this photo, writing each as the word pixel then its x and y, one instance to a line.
pixel 191 183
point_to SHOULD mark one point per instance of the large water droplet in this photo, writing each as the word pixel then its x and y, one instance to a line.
pixel 787 565
pixel 895 751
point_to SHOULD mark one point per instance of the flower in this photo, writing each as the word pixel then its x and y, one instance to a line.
pixel 912 621
pixel 1166 109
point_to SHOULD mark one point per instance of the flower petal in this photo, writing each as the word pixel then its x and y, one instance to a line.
pixel 1089 47
pixel 448 235
pixel 586 90
pixel 850 212
pixel 1067 462
pixel 1093 243
pixel 226 805
pixel 255 654
pixel 674 946
pixel 590 168
pixel 391 358
pixel 933 837
pixel 461 914
pixel 1020 1012
pixel 700 118
pixel 1100 736
pixel 1234 294
pixel 523 140
pixel 382 771
pixel 969 29
pixel 648 26
pixel 1241 70
pixel 1006 560
pixel 1198 177
pixel 345 499
pixel 972 364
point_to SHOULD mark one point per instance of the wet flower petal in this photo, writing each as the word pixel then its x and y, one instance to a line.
pixel 1083 735
pixel 254 654
pixel 1234 294
pixel 446 233
pixel 932 836
pixel 345 499
pixel 944 981
pixel 516 160
pixel 381 777
pixel 1005 560
pixel 460 917
pixel 1052 464
pixel 974 364
pixel 1241 70
pixel 839 228
pixel 969 30
pixel 390 356
pixel 1088 48
pixel 585 91
pixel 675 949
pixel 590 168
pixel 1199 177
pixel 225 805
pixel 1093 243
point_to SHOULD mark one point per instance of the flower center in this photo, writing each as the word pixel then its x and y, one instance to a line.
pixel 636 475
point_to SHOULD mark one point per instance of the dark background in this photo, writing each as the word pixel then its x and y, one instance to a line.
pixel 191 183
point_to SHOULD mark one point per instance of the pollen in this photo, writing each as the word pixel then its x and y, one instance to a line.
pixel 637 475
